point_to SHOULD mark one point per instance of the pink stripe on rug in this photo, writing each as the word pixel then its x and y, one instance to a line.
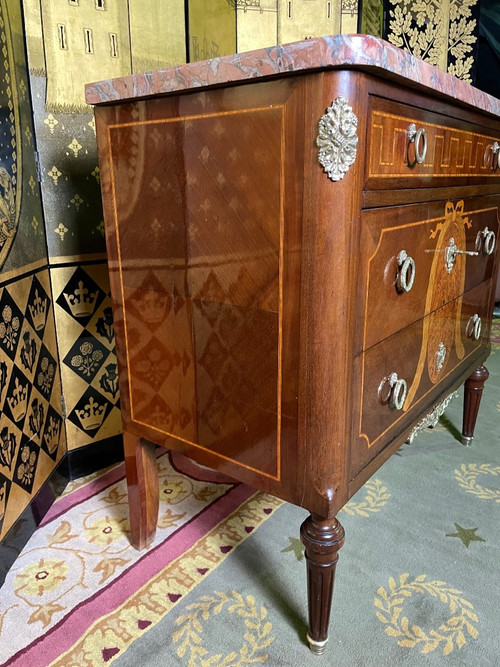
pixel 70 628
pixel 84 493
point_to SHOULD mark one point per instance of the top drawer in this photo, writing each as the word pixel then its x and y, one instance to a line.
pixel 409 147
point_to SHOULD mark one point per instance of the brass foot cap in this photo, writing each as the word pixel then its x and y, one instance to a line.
pixel 467 440
pixel 318 648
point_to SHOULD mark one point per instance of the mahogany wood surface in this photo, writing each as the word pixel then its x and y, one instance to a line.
pixel 458 152
pixel 473 391
pixel 383 307
pixel 143 492
pixel 322 540
pixel 259 314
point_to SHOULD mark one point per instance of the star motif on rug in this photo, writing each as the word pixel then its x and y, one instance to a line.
pixel 296 546
pixel 467 535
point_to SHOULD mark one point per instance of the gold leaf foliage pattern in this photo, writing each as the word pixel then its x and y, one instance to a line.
pixel 450 635
pixel 257 636
pixel 376 497
pixel 467 476
pixel 441 32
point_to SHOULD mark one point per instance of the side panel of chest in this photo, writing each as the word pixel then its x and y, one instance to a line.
pixel 206 274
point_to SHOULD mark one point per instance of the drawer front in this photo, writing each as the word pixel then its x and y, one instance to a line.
pixel 408 147
pixel 396 375
pixel 412 265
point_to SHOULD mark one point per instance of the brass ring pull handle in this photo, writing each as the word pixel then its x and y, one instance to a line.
pixel 406 273
pixel 474 327
pixel 486 240
pixel 492 156
pixel 392 391
pixel 489 241
pixel 419 137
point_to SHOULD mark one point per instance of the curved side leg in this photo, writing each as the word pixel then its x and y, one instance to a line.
pixel 472 398
pixel 322 539
pixel 142 484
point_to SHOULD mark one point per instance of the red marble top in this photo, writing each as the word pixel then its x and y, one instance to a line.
pixel 353 51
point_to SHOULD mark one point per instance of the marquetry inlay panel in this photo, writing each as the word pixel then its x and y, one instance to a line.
pixel 451 152
pixel 210 288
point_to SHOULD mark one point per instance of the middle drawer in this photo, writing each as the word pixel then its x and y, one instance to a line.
pixel 395 377
pixel 415 259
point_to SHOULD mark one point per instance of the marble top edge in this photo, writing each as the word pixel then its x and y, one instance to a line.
pixel 331 51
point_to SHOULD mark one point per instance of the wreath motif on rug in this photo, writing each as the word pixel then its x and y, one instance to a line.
pixel 467 477
pixel 376 497
pixel 257 638
pixel 449 635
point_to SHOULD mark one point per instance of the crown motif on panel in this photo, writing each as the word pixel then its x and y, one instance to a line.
pixel 3 499
pixel 82 301
pixel 38 311
pixel 92 415
pixel 52 434
pixel 152 306
pixel 18 402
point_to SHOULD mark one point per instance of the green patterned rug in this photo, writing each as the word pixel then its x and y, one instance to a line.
pixel 224 585
pixel 417 580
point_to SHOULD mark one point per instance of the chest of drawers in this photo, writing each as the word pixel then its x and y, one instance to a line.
pixel 302 252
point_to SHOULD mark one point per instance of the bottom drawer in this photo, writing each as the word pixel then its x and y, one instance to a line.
pixel 396 375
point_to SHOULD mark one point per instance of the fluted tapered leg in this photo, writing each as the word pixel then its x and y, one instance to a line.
pixel 322 539
pixel 142 484
pixel 472 398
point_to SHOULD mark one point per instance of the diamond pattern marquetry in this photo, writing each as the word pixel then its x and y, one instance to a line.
pixel 190 317
pixel 158 370
pixel 154 364
pixel 150 302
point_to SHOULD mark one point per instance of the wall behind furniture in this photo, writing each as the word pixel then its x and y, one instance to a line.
pixel 32 439
pixel 71 42
pixel 441 32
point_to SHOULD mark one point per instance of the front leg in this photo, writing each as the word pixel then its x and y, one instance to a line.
pixel 322 539
pixel 142 484
pixel 472 398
